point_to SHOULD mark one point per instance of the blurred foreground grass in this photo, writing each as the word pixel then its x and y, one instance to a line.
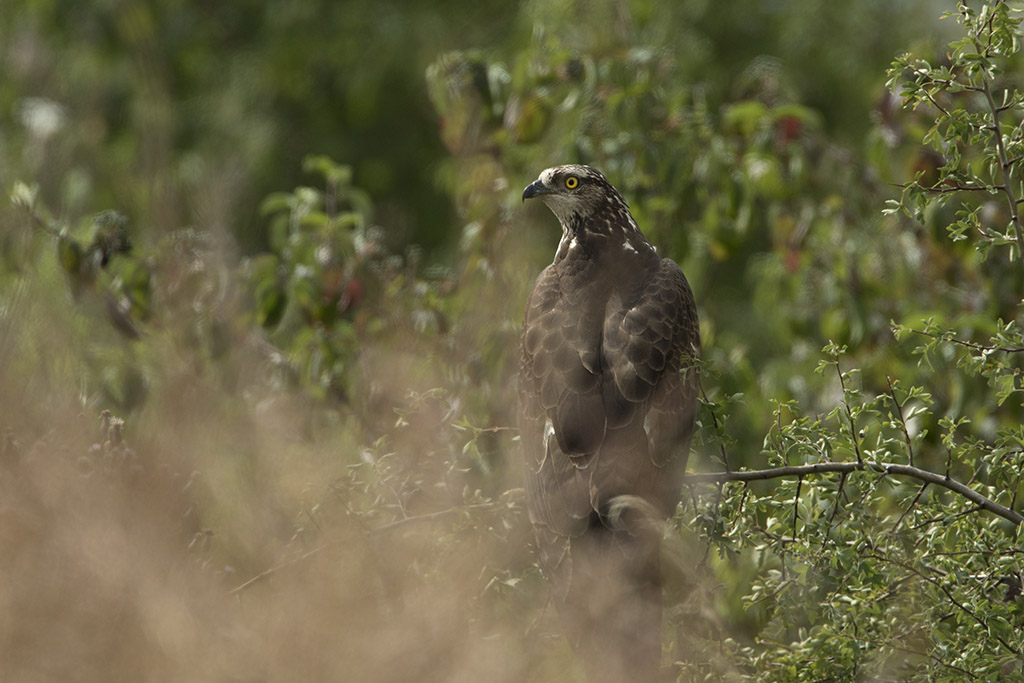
pixel 231 526
pixel 128 548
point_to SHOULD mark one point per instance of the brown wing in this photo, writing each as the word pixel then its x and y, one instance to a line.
pixel 560 367
pixel 560 406
pixel 604 408
pixel 651 347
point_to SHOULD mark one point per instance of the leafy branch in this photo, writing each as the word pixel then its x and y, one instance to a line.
pixel 949 596
pixel 979 155
pixel 996 35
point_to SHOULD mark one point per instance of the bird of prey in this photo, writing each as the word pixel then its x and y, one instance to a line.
pixel 608 383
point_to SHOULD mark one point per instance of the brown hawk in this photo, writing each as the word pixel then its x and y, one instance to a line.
pixel 607 398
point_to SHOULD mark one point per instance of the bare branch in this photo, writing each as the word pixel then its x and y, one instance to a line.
pixel 970 345
pixel 881 467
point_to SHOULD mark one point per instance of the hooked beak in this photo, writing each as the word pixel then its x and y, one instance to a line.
pixel 534 189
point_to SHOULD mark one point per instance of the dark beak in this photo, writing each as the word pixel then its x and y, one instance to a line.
pixel 534 189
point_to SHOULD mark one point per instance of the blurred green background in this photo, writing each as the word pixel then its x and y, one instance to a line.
pixel 187 113
pixel 755 144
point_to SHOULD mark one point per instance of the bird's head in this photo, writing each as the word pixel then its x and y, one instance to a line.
pixel 574 193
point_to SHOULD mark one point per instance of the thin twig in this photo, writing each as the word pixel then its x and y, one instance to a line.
pixel 849 413
pixel 840 493
pixel 1006 166
pixel 796 504
pixel 949 82
pixel 947 518
pixel 743 500
pixel 910 507
pixel 947 187
pixel 935 103
pixel 718 430
pixel 903 422
pixel 983 553
pixel 938 660
pixel 38 221
pixel 1016 488
pixel 278 567
pixel 428 517
pixel 949 596
pixel 718 508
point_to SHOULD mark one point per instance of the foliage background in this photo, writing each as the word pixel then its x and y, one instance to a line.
pixel 261 281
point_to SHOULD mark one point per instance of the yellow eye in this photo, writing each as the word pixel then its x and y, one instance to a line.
pixel 571 182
